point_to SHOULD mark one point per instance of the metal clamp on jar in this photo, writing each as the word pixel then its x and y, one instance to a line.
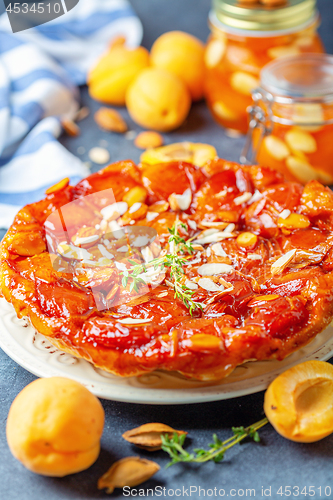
pixel 291 119
pixel 244 39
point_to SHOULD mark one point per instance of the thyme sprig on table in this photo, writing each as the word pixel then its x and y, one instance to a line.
pixel 174 445
pixel 174 260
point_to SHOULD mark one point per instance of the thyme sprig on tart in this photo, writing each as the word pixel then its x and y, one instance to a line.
pixel 173 261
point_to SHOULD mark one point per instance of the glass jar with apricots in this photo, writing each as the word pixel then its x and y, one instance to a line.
pixel 244 38
pixel 291 120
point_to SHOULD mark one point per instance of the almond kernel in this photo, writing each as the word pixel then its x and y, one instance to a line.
pixel 70 127
pixel 110 120
pixel 148 140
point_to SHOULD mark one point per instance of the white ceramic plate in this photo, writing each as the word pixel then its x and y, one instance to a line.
pixel 36 354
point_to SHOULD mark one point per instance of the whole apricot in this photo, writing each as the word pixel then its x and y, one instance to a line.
pixel 108 81
pixel 183 55
pixel 299 402
pixel 54 427
pixel 158 100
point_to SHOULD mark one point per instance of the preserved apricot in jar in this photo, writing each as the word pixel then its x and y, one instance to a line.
pixel 243 40
pixel 298 110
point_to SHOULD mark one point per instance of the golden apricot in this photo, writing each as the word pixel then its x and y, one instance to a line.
pixel 183 55
pixel 54 427
pixel 158 100
pixel 299 402
pixel 109 80
pixel 191 152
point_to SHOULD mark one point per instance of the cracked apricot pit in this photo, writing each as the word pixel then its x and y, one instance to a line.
pixel 54 427
pixel 158 100
pixel 299 402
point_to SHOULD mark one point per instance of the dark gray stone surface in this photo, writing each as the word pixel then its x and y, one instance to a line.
pixel 275 461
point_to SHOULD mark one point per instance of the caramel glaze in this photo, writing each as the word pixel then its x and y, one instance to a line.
pixel 247 326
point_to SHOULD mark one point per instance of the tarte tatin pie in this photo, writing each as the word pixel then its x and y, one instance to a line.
pixel 241 268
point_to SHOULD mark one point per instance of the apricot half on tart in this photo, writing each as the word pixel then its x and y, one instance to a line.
pixel 299 402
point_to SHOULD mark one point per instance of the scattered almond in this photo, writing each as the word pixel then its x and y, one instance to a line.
pixel 86 236
pixel 255 197
pixel 230 227
pixel 214 268
pixel 284 214
pixel 207 232
pixel 218 250
pixel 214 235
pixel 215 297
pixel 110 120
pixel 148 140
pixel 209 285
pixel 191 285
pixel 129 471
pixel 221 194
pixel 147 254
pixel 253 256
pixel 114 211
pixel 151 216
pixel 180 201
pixel 192 224
pixel 135 212
pixel 130 135
pixel 148 436
pixel 82 114
pixel 216 225
pixel 243 198
pixel 280 264
pixel 70 127
pixel 198 248
pixel 99 155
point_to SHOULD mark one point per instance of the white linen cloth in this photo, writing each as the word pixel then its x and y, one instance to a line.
pixel 40 69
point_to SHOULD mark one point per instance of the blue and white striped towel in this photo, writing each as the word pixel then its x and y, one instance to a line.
pixel 39 71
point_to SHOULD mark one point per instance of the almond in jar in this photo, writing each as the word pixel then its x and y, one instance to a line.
pixel 244 38
pixel 291 121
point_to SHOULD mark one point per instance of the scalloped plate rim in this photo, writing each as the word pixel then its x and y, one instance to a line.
pixel 143 395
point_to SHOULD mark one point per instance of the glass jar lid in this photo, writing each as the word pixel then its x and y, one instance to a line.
pixel 235 15
pixel 304 77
